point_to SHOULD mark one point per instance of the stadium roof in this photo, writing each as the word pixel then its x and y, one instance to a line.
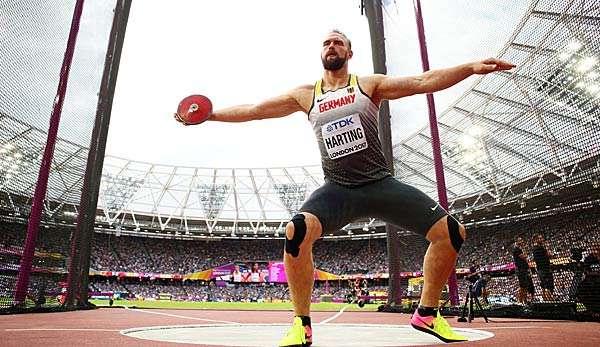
pixel 538 119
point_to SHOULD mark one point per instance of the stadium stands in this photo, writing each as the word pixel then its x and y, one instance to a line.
pixel 485 248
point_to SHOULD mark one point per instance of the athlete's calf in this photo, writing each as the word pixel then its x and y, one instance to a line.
pixel 446 237
pixel 301 233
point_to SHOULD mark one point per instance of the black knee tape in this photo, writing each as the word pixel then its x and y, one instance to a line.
pixel 293 246
pixel 454 232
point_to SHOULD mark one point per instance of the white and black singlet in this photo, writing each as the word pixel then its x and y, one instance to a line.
pixel 345 124
pixel 358 183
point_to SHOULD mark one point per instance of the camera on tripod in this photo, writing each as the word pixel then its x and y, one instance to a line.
pixel 477 285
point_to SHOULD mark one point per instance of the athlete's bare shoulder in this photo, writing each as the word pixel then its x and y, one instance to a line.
pixel 303 95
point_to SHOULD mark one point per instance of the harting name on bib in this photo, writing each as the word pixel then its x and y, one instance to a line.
pixel 344 136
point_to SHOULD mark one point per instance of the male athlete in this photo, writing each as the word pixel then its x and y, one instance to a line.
pixel 342 109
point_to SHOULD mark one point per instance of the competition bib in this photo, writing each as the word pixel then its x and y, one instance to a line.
pixel 344 136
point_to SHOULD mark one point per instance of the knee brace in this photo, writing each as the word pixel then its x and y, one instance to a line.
pixel 454 232
pixel 293 246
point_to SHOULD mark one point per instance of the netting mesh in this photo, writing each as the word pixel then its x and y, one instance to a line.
pixel 33 40
pixel 520 148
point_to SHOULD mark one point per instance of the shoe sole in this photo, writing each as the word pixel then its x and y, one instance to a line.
pixel 308 344
pixel 433 333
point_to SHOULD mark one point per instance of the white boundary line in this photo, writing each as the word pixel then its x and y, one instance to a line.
pixel 523 327
pixel 60 329
pixel 178 316
pixel 334 316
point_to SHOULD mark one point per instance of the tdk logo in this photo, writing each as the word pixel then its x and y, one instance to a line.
pixel 340 124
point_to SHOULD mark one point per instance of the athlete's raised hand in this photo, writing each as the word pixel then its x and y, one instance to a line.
pixel 490 65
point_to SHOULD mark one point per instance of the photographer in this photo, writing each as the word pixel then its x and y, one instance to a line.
pixel 478 282
pixel 480 288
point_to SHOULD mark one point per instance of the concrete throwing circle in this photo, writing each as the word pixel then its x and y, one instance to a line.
pixel 326 335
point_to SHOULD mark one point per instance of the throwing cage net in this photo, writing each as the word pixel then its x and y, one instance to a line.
pixel 51 62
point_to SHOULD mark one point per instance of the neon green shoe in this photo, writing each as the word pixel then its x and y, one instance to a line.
pixel 436 326
pixel 298 336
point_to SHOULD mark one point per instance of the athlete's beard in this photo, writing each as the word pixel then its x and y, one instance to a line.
pixel 333 65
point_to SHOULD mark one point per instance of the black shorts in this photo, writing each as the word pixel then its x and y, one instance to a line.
pixel 546 280
pixel 387 199
pixel 525 281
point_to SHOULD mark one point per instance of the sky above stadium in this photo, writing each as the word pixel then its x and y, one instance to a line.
pixel 239 52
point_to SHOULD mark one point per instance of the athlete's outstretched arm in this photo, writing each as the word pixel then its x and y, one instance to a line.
pixel 389 88
pixel 279 106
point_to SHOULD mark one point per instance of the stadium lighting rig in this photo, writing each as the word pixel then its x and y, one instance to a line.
pixel 468 152
pixel 11 163
pixel 596 176
pixel 579 72
pixel 116 192
pixel 292 195
pixel 212 198
pixel 368 225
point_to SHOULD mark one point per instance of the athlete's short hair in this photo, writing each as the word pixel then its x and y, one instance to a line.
pixel 339 32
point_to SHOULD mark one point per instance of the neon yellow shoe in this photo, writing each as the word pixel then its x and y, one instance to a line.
pixel 298 336
pixel 436 326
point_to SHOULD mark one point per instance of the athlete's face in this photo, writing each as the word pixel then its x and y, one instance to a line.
pixel 335 52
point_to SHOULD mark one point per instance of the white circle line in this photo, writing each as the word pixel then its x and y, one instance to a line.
pixel 334 316
pixel 179 316
pixel 127 332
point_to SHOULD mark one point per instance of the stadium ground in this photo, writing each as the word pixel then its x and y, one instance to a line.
pixel 105 326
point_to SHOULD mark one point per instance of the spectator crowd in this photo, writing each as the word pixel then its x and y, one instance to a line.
pixel 485 246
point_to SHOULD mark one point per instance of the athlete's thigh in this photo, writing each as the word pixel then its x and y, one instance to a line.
pixel 334 205
pixel 403 205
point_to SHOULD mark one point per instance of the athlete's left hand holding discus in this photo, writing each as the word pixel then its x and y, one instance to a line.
pixel 194 109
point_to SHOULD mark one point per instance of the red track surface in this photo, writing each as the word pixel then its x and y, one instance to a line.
pixel 101 327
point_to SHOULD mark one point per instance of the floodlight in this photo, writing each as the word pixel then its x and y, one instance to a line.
pixel 574 46
pixel 468 141
pixel 475 131
pixel 586 64
pixel 564 56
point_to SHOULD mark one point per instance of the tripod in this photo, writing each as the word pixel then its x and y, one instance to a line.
pixel 471 299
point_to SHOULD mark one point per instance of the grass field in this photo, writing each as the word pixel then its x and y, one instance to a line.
pixel 251 306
